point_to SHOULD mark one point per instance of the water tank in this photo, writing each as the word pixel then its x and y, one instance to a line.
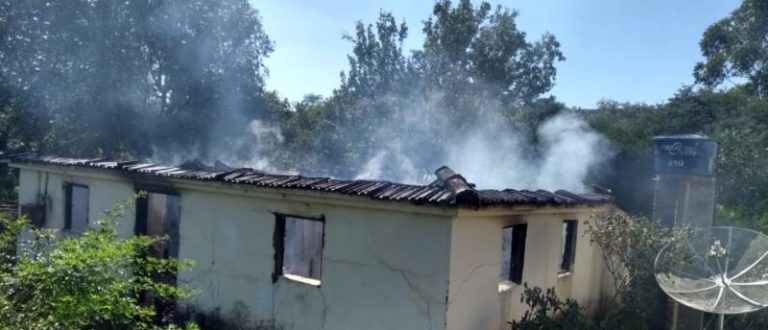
pixel 685 155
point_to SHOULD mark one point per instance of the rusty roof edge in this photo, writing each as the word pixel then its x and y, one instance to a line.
pixel 272 193
pixel 452 189
pixel 532 209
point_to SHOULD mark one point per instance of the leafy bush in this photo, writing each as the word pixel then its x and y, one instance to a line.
pixel 629 245
pixel 91 281
pixel 547 312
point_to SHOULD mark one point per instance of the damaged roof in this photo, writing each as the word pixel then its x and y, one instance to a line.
pixel 450 188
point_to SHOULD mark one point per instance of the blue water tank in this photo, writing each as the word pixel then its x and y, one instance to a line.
pixel 684 155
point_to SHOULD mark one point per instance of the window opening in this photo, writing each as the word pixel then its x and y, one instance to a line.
pixel 299 248
pixel 76 208
pixel 513 252
pixel 568 251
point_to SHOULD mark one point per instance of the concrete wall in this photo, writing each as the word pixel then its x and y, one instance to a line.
pixel 478 299
pixel 475 268
pixel 381 268
pixel 384 265
pixel 37 187
pixel 588 280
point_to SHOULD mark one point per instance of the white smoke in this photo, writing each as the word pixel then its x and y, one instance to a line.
pixel 569 149
pixel 403 168
pixel 572 149
pixel 260 138
pixel 264 131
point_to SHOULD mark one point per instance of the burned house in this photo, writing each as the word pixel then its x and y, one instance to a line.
pixel 320 253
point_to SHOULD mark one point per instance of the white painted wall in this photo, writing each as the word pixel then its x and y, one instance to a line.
pixel 382 269
pixel 479 300
pixel 385 265
pixel 103 194
pixel 588 281
pixel 473 299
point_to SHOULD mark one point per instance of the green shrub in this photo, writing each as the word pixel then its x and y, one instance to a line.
pixel 547 312
pixel 91 281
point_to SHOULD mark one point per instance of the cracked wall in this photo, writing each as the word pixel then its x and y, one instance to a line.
pixel 478 299
pixel 381 269
pixel 385 266
pixel 473 298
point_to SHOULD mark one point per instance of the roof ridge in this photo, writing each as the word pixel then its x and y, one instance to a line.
pixel 449 189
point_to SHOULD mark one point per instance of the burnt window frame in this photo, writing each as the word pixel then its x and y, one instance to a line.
pixel 569 241
pixel 141 222
pixel 278 244
pixel 517 243
pixel 142 212
pixel 68 186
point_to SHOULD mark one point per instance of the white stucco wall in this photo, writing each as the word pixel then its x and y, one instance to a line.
pixel 384 265
pixel 103 194
pixel 588 281
pixel 478 301
pixel 475 267
pixel 383 268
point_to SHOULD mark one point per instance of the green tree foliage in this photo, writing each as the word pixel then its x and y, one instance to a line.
pixel 734 118
pixel 471 54
pixel 475 72
pixel 208 73
pixel 629 246
pixel 547 312
pixel 129 78
pixel 479 49
pixel 377 64
pixel 91 281
pixel 735 47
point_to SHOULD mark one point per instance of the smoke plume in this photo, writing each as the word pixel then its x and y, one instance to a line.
pixel 493 158
pixel 180 80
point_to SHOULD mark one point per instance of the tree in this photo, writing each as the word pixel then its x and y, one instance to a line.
pixel 91 281
pixel 468 48
pixel 735 47
pixel 207 60
pixel 377 65
pixel 132 78
pixel 400 113
pixel 547 312
pixel 629 245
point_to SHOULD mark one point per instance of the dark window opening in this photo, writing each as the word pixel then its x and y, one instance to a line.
pixel 76 207
pixel 299 248
pixel 513 252
pixel 568 253
pixel 35 213
pixel 159 214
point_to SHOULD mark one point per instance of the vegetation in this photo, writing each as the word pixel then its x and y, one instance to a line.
pixel 90 281
pixel 543 305
pixel 629 246
pixel 734 48
pixel 126 79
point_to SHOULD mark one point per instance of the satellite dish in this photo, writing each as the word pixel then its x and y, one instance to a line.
pixel 722 270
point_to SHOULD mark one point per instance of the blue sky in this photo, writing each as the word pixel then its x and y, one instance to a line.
pixel 624 50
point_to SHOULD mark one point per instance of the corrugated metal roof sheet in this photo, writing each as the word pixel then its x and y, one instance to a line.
pixel 450 189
